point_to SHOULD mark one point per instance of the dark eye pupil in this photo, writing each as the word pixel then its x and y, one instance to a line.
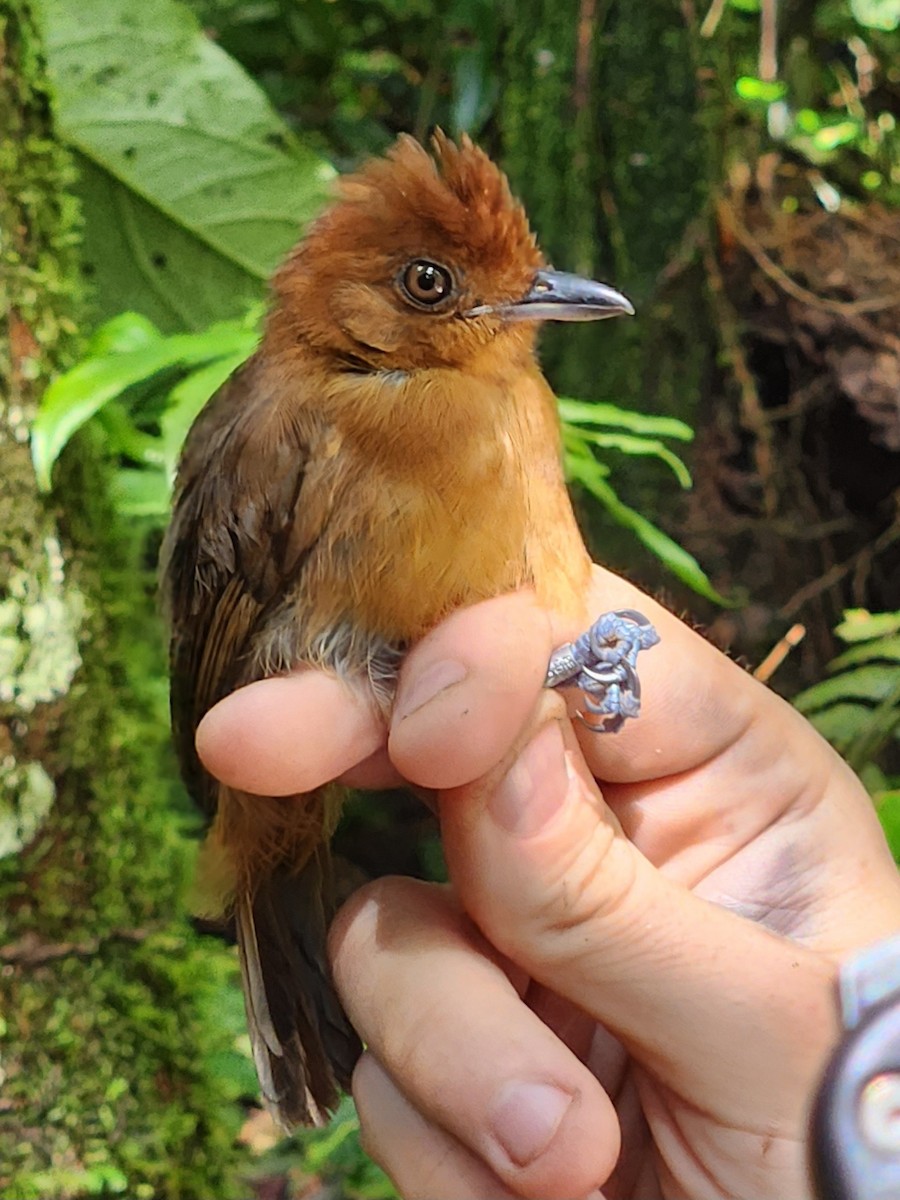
pixel 426 282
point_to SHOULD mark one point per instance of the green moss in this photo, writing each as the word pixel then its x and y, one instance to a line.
pixel 616 188
pixel 116 1080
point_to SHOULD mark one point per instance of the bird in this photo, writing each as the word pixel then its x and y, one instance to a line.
pixel 390 453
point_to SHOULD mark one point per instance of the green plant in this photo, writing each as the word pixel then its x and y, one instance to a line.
pixel 834 109
pixel 192 186
pixel 858 708
pixel 619 431
pixel 356 72
pixel 144 388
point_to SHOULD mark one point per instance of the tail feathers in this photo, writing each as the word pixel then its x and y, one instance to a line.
pixel 303 1045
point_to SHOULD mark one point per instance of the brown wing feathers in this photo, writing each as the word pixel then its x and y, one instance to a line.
pixel 234 545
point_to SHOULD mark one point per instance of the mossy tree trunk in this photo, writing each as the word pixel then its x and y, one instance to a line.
pixel 105 1062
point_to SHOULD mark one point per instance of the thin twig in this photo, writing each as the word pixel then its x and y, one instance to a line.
pixel 587 19
pixel 779 653
pixel 30 951
pixel 846 308
pixel 752 413
pixel 839 571
pixel 712 18
pixel 867 220
pixel 768 41
pixel 804 400
pixel 686 253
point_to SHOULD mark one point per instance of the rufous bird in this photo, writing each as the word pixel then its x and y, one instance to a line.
pixel 390 453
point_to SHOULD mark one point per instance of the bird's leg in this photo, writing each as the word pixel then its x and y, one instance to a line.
pixel 603 663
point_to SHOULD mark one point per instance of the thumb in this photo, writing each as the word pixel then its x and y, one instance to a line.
pixel 717 1009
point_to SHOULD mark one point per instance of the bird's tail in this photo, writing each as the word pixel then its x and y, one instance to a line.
pixel 303 1045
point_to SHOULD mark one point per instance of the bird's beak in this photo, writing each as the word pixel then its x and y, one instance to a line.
pixel 559 296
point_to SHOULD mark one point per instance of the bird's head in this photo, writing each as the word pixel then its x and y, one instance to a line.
pixel 422 262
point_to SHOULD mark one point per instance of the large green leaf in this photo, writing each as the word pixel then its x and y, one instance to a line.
pixel 188 397
pixel 193 188
pixel 858 708
pixel 889 816
pixel 878 650
pixel 142 493
pixel 124 352
pixel 841 724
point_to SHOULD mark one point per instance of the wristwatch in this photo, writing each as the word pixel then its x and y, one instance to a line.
pixel 856 1119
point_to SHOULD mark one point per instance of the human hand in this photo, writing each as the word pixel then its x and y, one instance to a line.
pixel 653 969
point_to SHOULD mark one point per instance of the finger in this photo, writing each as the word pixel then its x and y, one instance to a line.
pixel 449 1026
pixel 719 781
pixel 695 701
pixel 376 772
pixel 725 785
pixel 423 1160
pixel 467 690
pixel 711 1004
pixel 289 734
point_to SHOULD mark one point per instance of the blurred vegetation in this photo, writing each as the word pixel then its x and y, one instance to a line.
pixel 735 168
pixel 858 706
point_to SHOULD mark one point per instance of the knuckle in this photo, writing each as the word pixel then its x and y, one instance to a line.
pixel 578 901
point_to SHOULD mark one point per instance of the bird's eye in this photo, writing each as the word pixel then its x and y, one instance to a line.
pixel 426 282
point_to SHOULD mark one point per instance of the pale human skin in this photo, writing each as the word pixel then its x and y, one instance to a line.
pixel 627 996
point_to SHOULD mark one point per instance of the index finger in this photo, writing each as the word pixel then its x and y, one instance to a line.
pixel 696 702
pixel 288 734
pixel 493 656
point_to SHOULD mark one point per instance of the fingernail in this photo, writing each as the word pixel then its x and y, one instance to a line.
pixel 525 1117
pixel 430 683
pixel 535 787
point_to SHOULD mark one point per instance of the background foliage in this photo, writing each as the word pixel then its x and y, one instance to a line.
pixel 734 168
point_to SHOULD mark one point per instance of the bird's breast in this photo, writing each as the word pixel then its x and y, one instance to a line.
pixel 442 537
pixel 451 493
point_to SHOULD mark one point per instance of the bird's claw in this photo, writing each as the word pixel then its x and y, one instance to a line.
pixel 603 663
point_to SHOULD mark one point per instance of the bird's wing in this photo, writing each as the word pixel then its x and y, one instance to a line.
pixel 253 499
pixel 239 535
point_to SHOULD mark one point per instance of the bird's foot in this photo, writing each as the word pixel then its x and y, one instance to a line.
pixel 603 663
